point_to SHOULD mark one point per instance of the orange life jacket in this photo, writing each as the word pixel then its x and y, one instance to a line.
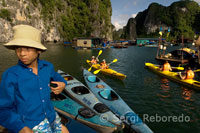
pixel 166 67
pixel 104 66
pixel 94 61
pixel 189 74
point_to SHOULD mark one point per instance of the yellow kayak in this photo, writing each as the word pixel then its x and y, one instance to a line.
pixel 108 71
pixel 174 77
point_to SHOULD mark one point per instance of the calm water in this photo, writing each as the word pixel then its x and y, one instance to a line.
pixel 149 95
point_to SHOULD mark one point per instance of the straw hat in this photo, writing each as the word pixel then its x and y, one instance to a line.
pixel 25 35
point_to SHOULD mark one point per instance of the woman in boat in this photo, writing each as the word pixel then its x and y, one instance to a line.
pixel 94 60
pixel 166 67
pixel 104 65
pixel 189 74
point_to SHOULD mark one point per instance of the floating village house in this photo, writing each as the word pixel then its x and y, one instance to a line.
pixel 90 42
pixel 145 41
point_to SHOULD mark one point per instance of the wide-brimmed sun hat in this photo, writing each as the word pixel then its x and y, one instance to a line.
pixel 27 36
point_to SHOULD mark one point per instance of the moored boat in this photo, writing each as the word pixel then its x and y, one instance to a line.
pixel 72 125
pixel 174 76
pixel 183 56
pixel 109 71
pixel 80 93
pixel 69 108
pixel 114 102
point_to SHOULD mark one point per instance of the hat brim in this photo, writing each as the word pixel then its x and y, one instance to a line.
pixel 24 42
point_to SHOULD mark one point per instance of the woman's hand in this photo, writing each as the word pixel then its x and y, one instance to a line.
pixel 59 88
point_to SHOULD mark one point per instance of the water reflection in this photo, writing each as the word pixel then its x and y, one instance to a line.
pixel 165 88
pixel 187 94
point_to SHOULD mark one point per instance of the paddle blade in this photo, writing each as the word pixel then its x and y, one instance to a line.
pixel 100 52
pixel 180 68
pixel 115 60
pixel 97 71
pixel 90 69
pixel 198 70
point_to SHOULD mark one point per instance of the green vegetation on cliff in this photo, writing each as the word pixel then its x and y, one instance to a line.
pixel 5 14
pixel 182 16
pixel 77 18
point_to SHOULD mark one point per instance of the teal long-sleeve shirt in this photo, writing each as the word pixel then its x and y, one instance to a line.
pixel 25 97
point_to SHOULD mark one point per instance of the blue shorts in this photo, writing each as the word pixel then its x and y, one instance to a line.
pixel 45 126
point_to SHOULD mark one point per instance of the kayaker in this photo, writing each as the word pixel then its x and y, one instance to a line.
pixel 94 60
pixel 25 88
pixel 166 67
pixel 104 65
pixel 189 74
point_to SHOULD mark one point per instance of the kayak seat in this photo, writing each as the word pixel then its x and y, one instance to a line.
pixel 133 118
pixel 80 90
pixel 108 95
pixel 100 86
pixel 93 79
pixel 58 97
pixel 101 108
pixel 65 76
pixel 68 78
pixel 86 113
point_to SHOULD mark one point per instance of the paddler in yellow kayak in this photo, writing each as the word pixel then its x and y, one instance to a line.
pixel 166 67
pixel 94 60
pixel 104 65
pixel 189 74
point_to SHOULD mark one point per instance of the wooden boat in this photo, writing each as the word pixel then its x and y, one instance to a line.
pixel 114 102
pixel 79 92
pixel 109 71
pixel 181 56
pixel 174 76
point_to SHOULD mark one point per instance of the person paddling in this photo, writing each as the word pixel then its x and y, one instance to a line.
pixel 25 104
pixel 189 74
pixel 104 65
pixel 166 67
pixel 94 60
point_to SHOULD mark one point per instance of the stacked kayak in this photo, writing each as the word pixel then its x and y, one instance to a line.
pixel 80 93
pixel 69 108
pixel 174 76
pixel 114 102
pixel 73 124
pixel 109 72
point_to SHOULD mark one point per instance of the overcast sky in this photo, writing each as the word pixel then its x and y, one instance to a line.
pixel 122 10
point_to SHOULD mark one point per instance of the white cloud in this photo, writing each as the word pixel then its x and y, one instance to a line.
pixel 198 1
pixel 120 21
pixel 134 15
pixel 117 25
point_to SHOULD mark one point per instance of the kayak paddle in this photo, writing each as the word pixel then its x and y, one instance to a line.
pixel 178 68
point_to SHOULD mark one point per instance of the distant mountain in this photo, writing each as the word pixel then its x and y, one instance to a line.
pixel 58 19
pixel 182 17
